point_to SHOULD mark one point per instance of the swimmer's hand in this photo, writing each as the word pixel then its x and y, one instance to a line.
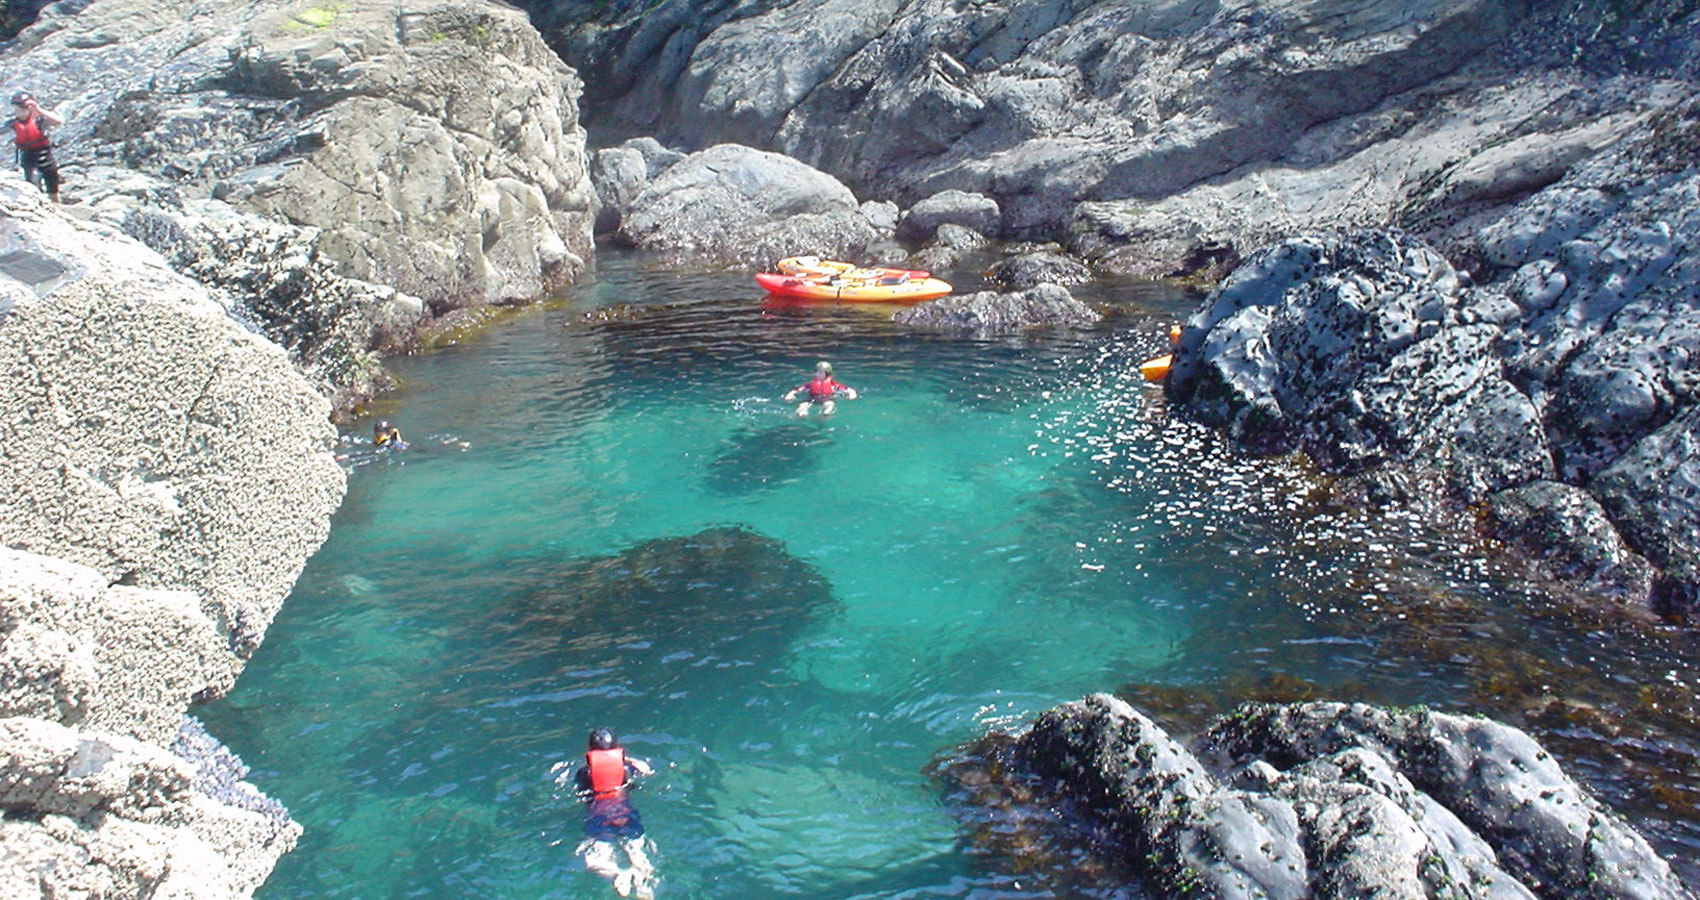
pixel 849 393
pixel 791 394
pixel 643 768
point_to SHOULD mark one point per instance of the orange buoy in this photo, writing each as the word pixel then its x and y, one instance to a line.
pixel 1157 369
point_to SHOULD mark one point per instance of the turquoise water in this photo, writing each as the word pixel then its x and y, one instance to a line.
pixel 794 620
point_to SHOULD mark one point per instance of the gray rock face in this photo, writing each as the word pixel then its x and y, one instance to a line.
pixel 435 151
pixel 1329 800
pixel 1572 363
pixel 102 815
pixel 989 312
pixel 272 275
pixel 741 206
pixel 1145 134
pixel 167 474
pixel 150 437
pixel 1038 104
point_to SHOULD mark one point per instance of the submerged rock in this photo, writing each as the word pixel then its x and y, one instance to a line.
pixel 1336 800
pixel 1570 536
pixel 989 312
pixel 761 458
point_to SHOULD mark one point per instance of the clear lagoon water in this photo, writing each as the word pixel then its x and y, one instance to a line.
pixel 798 620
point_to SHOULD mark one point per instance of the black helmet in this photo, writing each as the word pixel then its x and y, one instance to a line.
pixel 22 97
pixel 603 739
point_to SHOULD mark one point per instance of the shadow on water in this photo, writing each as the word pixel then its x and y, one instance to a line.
pixel 762 457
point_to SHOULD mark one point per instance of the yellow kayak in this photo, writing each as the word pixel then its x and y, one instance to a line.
pixel 808 266
pixel 813 278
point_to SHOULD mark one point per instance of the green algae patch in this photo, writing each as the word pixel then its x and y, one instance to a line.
pixel 316 18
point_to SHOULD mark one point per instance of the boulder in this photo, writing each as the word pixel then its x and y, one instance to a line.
pixel 1029 270
pixel 1566 360
pixel 92 814
pixel 741 206
pixel 1360 350
pixel 975 212
pixel 621 173
pixel 989 312
pixel 1653 495
pixel 1336 800
pixel 1569 536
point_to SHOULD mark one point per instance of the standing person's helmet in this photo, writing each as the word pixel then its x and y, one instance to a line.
pixel 603 739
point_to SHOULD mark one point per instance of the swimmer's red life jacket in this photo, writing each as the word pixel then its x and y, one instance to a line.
pixel 822 388
pixel 607 771
pixel 27 133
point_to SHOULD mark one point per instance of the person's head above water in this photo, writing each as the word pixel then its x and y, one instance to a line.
pixel 603 739
pixel 823 368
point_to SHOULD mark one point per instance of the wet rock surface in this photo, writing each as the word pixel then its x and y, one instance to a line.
pixel 990 312
pixel 1566 359
pixel 1334 800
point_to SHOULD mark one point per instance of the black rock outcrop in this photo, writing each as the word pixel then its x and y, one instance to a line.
pixel 1329 800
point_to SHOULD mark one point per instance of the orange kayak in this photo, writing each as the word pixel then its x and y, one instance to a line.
pixel 854 290
pixel 1157 369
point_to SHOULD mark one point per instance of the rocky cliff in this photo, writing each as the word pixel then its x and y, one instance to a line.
pixel 347 170
pixel 1143 130
pixel 166 474
pixel 265 197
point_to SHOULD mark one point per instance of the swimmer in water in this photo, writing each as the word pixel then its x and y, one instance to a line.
pixel 822 389
pixel 386 435
pixel 611 823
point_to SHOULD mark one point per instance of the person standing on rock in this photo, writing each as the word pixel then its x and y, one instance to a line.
pixel 611 823
pixel 34 149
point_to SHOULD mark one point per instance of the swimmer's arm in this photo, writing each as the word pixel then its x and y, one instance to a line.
pixel 641 767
